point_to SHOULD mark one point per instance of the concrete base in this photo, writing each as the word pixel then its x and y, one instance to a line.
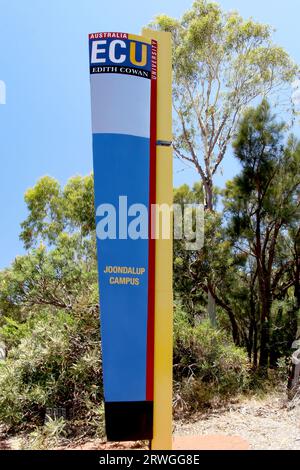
pixel 210 442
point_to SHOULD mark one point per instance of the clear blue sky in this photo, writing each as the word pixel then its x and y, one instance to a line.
pixel 45 126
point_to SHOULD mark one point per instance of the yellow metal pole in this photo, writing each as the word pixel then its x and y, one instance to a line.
pixel 163 342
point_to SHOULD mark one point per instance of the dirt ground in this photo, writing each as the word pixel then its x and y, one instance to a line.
pixel 269 423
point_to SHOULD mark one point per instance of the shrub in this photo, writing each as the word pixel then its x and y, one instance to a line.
pixel 56 364
pixel 207 365
pixel 43 438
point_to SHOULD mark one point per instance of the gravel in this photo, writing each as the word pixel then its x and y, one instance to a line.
pixel 270 423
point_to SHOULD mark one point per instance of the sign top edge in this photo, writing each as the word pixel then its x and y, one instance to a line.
pixel 118 35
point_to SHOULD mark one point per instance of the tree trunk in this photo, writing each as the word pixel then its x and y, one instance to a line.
pixel 297 275
pixel 255 347
pixel 263 275
pixel 211 303
pixel 265 326
pixel 211 309
pixel 222 304
pixel 209 197
pixel 250 341
pixel 264 345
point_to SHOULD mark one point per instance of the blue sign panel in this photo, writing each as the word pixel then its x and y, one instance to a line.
pixel 123 90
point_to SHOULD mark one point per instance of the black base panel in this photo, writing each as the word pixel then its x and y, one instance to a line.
pixel 129 421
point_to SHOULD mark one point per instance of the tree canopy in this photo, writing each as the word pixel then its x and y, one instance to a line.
pixel 221 64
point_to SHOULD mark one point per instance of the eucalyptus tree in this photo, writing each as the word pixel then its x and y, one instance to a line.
pixel 221 64
pixel 263 206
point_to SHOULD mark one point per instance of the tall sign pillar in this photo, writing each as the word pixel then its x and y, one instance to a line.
pixel 131 120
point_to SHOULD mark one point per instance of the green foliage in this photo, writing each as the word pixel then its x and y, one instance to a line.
pixel 216 267
pixel 56 363
pixel 53 210
pixel 12 331
pixel 43 202
pixel 207 365
pixel 283 365
pixel 285 319
pixel 49 297
pixel 49 314
pixel 57 278
pixel 43 438
pixel 221 63
pixel 263 207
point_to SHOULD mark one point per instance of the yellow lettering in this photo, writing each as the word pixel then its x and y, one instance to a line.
pixel 133 60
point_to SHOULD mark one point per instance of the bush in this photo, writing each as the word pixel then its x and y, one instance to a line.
pixel 207 365
pixel 43 438
pixel 56 364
